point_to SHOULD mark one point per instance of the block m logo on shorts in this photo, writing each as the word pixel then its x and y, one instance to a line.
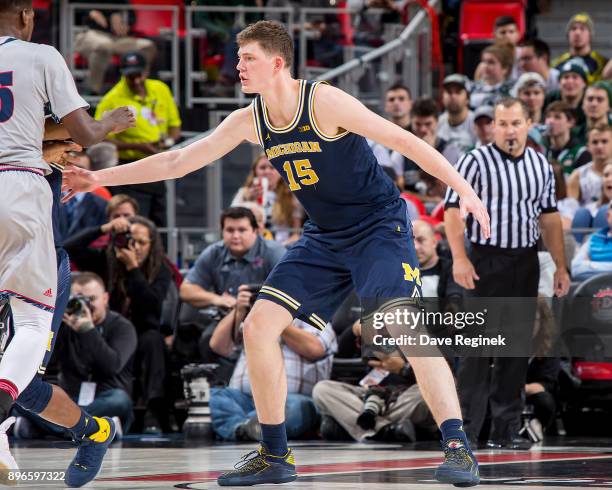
pixel 412 274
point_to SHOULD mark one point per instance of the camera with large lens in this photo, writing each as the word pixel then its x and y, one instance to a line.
pixel 197 380
pixel 121 240
pixel 375 403
pixel 77 303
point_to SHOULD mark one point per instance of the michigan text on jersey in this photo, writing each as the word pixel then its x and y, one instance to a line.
pixel 297 147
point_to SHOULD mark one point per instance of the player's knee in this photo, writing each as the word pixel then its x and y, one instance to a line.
pixel 36 396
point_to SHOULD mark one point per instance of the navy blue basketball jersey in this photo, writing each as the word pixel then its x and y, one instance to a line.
pixel 336 178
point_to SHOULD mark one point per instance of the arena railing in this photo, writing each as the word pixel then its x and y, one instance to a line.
pixel 197 35
pixel 69 31
pixel 411 48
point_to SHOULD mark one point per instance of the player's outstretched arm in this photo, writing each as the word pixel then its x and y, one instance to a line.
pixel 353 116
pixel 237 127
pixel 86 131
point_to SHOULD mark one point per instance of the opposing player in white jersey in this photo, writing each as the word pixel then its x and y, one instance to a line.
pixel 33 78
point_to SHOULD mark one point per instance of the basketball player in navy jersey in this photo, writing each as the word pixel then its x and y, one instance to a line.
pixel 358 233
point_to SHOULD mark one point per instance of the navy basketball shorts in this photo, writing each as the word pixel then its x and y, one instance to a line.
pixel 376 257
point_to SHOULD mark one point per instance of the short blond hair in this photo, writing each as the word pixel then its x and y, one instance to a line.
pixel 271 36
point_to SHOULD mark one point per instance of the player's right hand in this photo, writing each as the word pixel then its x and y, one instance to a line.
pixel 121 118
pixel 464 273
pixel 75 180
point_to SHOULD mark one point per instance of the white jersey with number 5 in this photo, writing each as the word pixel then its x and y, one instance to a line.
pixel 32 77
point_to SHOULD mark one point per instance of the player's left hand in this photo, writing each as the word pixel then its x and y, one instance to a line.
pixel 471 203
pixel 58 151
pixel 75 180
pixel 561 282
pixel 127 256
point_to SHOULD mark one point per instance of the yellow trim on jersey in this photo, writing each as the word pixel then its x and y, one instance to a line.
pixel 296 118
pixel 256 121
pixel 313 120
pixel 277 293
pixel 318 323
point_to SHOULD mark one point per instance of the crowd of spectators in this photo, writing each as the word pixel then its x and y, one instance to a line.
pixel 119 341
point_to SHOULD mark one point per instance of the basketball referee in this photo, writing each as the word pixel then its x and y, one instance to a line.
pixel 517 186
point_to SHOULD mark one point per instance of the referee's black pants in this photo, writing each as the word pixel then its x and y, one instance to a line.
pixel 498 383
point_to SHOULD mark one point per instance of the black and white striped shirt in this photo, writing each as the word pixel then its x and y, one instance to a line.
pixel 516 191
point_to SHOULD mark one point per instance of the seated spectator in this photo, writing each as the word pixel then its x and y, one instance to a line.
pixel 593 215
pixel 585 183
pixel 138 278
pixel 85 210
pixel 506 33
pixel 398 104
pixel 265 186
pixel 260 217
pixel 108 35
pixel 103 155
pixel 425 126
pixel 94 352
pixel 242 257
pixel 436 270
pixel 401 414
pixel 483 125
pixel 596 108
pixel 567 206
pixel 495 83
pixel 530 89
pixel 534 56
pixel 455 124
pixel 560 146
pixel 308 355
pixel 595 255
pixel 572 84
pixel 120 206
pixel 580 29
pixel 158 126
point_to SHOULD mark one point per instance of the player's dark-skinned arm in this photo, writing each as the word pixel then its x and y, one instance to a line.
pixel 54 131
pixel 304 343
pixel 463 269
pixel 86 131
pixel 110 357
pixel 552 235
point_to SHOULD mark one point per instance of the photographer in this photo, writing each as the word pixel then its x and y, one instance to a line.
pixel 133 266
pixel 308 357
pixel 94 350
pixel 241 257
pixel 386 406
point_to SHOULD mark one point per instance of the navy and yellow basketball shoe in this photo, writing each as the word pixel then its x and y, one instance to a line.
pixel 460 466
pixel 88 459
pixel 258 467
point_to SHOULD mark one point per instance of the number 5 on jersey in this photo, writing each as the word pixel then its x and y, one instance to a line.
pixel 305 174
pixel 6 96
